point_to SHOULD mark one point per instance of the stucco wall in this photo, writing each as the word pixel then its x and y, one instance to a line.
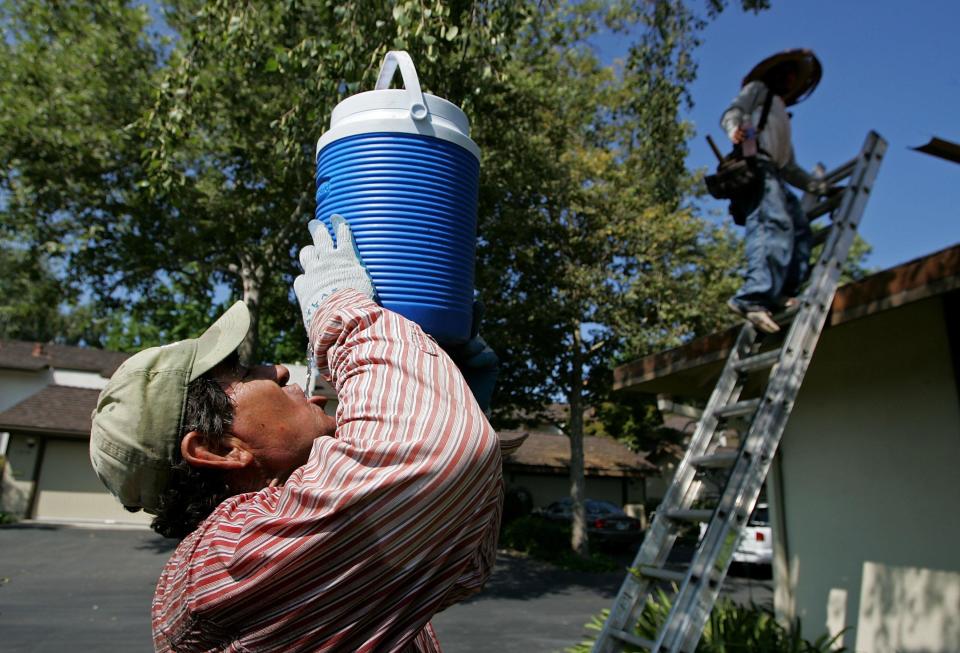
pixel 68 488
pixel 17 385
pixel 869 477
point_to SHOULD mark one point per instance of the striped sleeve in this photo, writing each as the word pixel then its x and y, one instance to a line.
pixel 395 384
pixel 414 455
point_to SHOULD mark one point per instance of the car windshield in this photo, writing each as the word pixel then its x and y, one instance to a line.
pixel 760 516
pixel 602 508
pixel 593 506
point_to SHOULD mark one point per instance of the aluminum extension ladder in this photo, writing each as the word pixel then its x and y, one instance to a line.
pixel 762 419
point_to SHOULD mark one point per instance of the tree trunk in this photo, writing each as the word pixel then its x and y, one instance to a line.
pixel 578 538
pixel 251 275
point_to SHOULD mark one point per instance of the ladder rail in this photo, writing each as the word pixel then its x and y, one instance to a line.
pixel 766 430
pixel 660 535
pixel 703 578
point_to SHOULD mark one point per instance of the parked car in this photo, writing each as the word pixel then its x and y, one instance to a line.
pixel 606 522
pixel 756 545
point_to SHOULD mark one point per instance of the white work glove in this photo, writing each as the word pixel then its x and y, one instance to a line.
pixel 327 269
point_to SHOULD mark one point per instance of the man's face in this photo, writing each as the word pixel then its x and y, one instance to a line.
pixel 785 82
pixel 275 421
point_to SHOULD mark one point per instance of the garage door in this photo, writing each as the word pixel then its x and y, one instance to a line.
pixel 68 489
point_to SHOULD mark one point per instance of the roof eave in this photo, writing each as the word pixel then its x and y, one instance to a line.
pixel 45 431
pixel 692 369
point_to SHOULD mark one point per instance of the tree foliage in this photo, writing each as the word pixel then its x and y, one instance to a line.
pixel 247 91
pixel 590 251
pixel 74 77
pixel 29 297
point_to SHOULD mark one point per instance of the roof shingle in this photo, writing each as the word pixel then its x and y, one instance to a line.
pixel 24 355
pixel 55 409
pixel 602 456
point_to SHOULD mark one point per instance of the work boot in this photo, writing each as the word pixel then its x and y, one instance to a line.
pixel 757 315
pixel 763 320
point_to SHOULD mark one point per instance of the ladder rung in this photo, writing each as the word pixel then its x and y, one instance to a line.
pixel 840 172
pixel 824 207
pixel 758 362
pixel 663 574
pixel 738 409
pixel 690 515
pixel 630 638
pixel 715 460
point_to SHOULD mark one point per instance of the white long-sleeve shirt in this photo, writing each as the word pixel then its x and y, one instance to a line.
pixel 391 520
pixel 775 139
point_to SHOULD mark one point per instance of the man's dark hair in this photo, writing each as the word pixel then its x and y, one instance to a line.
pixel 192 493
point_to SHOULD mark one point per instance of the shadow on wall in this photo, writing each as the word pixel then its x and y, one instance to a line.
pixel 908 610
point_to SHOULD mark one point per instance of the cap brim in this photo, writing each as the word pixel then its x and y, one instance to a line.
pixel 221 339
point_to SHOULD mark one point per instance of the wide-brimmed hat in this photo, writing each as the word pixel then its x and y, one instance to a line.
pixel 139 415
pixel 805 63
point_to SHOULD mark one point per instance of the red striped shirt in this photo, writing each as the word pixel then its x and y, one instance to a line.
pixel 390 521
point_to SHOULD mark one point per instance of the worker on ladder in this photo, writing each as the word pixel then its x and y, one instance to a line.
pixel 778 237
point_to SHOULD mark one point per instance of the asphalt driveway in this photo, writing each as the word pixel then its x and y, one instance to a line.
pixel 74 589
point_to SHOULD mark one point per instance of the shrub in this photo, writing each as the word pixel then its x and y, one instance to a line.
pixel 732 628
pixel 550 541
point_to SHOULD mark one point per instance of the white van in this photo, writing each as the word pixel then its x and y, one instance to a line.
pixel 756 545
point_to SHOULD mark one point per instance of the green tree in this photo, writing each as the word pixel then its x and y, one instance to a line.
pixel 167 174
pixel 248 89
pixel 29 297
pixel 74 77
pixel 590 250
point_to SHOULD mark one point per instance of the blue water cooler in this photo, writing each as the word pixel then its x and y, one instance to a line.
pixel 399 166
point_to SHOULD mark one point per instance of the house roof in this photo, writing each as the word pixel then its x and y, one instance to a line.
pixel 542 452
pixel 71 415
pixel 24 355
pixel 690 370
pixel 941 148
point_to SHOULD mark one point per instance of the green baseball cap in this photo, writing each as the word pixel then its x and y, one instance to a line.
pixel 139 415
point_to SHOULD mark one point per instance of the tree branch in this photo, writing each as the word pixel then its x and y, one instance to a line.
pixel 285 236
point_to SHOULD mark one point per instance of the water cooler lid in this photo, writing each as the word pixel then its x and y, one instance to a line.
pixel 405 111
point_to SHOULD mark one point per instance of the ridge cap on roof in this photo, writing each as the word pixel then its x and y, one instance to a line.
pixel 49 354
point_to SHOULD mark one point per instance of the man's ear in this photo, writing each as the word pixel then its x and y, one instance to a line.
pixel 196 450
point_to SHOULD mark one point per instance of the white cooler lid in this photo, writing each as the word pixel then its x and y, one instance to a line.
pixel 405 111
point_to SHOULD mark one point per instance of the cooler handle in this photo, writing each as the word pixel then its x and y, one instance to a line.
pixel 393 59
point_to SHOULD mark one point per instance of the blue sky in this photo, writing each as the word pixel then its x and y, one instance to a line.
pixel 888 66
